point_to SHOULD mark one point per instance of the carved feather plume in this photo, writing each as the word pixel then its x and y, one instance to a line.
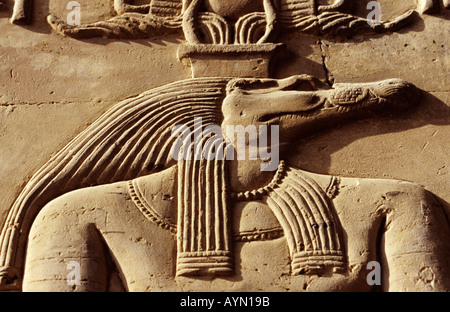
pixel 166 14
pixel 325 20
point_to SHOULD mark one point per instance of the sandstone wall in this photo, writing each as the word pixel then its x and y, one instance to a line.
pixel 52 87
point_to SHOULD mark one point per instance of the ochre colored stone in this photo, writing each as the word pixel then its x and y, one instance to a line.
pixel 209 145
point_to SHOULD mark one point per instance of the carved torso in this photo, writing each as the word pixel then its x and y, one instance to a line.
pixel 118 202
pixel 259 246
pixel 142 248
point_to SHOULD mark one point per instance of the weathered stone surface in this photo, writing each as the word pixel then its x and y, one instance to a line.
pixel 361 168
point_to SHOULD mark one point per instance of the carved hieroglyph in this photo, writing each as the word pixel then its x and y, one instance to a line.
pixel 120 183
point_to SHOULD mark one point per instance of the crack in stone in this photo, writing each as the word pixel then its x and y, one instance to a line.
pixel 21 104
pixel 329 76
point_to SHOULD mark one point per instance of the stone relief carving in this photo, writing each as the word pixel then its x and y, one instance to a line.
pixel 191 204
pixel 432 6
pixel 217 22
pixel 22 8
pixel 117 184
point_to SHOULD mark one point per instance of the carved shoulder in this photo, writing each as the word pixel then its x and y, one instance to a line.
pixel 88 205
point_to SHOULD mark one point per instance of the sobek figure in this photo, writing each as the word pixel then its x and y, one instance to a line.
pixel 172 225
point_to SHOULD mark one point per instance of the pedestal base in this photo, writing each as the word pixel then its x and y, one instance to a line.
pixel 253 60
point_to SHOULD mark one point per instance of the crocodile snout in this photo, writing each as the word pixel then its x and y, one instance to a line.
pixel 398 93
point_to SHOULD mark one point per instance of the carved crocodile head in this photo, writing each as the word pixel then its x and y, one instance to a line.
pixel 300 106
pixel 304 105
